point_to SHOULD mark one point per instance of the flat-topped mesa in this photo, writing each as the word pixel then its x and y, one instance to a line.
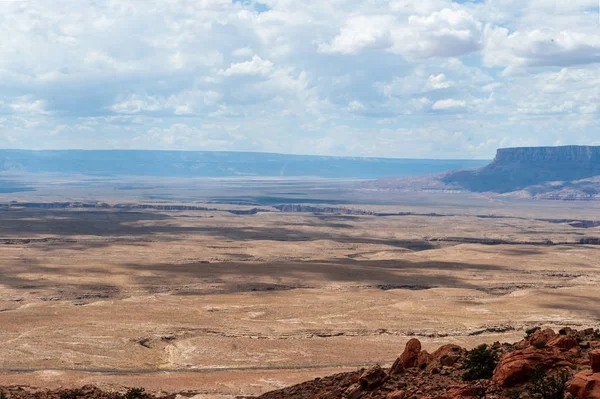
pixel 547 155
pixel 514 169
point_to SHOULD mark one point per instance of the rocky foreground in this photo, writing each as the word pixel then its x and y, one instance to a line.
pixel 544 365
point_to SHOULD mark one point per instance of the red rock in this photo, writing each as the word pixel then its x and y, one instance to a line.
pixel 566 331
pixel 410 356
pixel 424 359
pixel 541 337
pixel 396 395
pixel 447 355
pixel 595 360
pixel 354 392
pixel 333 394
pixel 563 342
pixel 372 378
pixel 458 392
pixel 586 385
pixel 517 366
pixel 397 367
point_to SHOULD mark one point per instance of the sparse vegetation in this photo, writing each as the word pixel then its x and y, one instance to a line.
pixel 135 393
pixel 480 363
pixel 529 333
pixel 548 387
pixel 542 386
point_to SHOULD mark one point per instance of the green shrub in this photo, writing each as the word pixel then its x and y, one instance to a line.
pixel 529 333
pixel 548 387
pixel 134 393
pixel 480 363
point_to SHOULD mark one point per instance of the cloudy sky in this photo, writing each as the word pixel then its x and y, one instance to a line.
pixel 397 78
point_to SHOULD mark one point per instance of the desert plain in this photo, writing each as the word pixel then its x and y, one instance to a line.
pixel 188 287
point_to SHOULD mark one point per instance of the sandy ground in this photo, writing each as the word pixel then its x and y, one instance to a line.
pixel 226 304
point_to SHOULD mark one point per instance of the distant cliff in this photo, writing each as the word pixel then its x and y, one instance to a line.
pixel 216 164
pixel 567 172
pixel 515 169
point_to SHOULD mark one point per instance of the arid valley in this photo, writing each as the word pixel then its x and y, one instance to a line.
pixel 226 296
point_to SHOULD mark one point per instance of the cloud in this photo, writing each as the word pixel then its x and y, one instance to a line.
pixel 361 32
pixel 437 82
pixel 25 105
pixel 539 48
pixel 448 104
pixel 444 33
pixel 136 103
pixel 339 77
pixel 256 66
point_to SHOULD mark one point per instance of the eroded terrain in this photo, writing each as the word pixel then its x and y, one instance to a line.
pixel 230 304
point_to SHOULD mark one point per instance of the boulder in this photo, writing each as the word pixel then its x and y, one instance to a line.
pixel 372 378
pixel 353 392
pixel 540 338
pixel 448 355
pixel 517 366
pixel 585 385
pixel 397 367
pixel 566 331
pixel 396 395
pixel 410 356
pixel 424 359
pixel 595 360
pixel 563 342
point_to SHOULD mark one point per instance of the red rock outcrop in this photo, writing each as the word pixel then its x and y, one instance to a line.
pixel 595 360
pixel 517 366
pixel 424 359
pixel 396 395
pixel 586 385
pixel 372 378
pixel 448 355
pixel 563 342
pixel 410 356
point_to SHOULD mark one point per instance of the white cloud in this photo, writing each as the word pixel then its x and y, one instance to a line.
pixel 437 82
pixel 256 66
pixel 342 77
pixel 361 32
pixel 136 103
pixel 448 104
pixel 539 48
pixel 26 105
pixel 444 33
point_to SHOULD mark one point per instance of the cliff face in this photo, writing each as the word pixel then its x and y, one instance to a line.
pixel 515 169
pixel 549 155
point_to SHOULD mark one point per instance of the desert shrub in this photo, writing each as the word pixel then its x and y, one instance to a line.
pixel 134 393
pixel 70 394
pixel 548 386
pixel 529 333
pixel 480 363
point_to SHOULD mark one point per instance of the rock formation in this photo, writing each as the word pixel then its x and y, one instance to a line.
pixel 570 357
pixel 567 172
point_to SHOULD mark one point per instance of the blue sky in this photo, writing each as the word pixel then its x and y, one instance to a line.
pixel 397 78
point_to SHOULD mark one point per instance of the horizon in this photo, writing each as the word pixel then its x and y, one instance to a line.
pixel 238 152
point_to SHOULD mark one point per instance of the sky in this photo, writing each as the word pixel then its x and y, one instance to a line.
pixel 376 78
